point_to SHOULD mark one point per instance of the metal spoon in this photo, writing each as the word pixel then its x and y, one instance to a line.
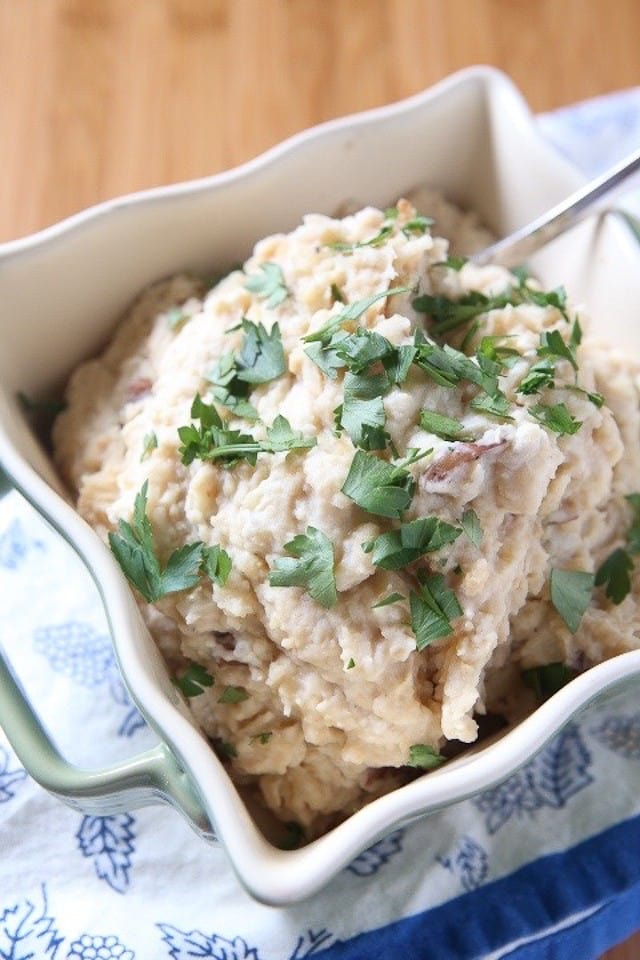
pixel 518 246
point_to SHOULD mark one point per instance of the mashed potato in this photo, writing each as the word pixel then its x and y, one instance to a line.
pixel 411 510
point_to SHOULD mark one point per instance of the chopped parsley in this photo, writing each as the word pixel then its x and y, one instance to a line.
pixel 231 695
pixel 260 359
pixel 263 737
pixel 453 263
pixel 268 284
pixel 614 574
pixel 377 486
pixel 214 440
pixel 432 610
pixel 149 443
pixel 310 566
pixel 194 680
pixel 556 417
pixel 448 314
pixel 540 375
pixel 351 664
pixel 376 241
pixel 398 548
pixel 471 526
pixel 216 563
pixel 362 412
pixel 387 601
pixel 350 313
pixel 571 594
pixel 134 549
pixel 497 406
pixel 547 679
pixel 424 757
pixel 444 427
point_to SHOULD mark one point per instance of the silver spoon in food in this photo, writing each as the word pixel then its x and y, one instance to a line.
pixel 521 244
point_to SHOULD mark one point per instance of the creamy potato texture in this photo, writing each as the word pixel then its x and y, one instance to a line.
pixel 516 462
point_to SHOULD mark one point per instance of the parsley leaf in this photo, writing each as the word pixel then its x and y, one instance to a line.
pixel 471 526
pixel 448 314
pixel 497 406
pixel 453 263
pixel 269 285
pixel 362 412
pixel 149 443
pixel 377 486
pixel 387 601
pixel 547 679
pixel 540 374
pixel 194 680
pixel 363 348
pixel 397 548
pixel 351 312
pixel 261 357
pixel 556 417
pixel 310 565
pixel 216 563
pixel 376 241
pixel 571 594
pixel 614 575
pixel 432 610
pixel 440 426
pixel 214 440
pixel 425 757
pixel 633 534
pixel 552 345
pixel 134 549
pixel 233 695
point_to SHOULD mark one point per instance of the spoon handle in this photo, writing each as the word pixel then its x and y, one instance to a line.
pixel 519 245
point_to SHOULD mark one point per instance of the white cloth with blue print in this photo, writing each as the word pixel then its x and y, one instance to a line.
pixel 547 865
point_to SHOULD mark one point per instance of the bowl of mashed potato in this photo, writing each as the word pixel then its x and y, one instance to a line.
pixel 364 515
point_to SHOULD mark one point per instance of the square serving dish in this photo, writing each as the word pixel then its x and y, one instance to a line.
pixel 473 137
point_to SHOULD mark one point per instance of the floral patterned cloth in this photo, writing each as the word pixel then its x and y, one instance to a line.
pixel 545 865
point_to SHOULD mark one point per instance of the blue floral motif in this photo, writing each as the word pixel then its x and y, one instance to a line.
pixel 77 651
pixel 621 734
pixel 88 947
pixel 549 780
pixel 310 943
pixel 27 931
pixel 109 842
pixel 15 545
pixel 469 862
pixel 376 856
pixel 9 777
pixel 183 944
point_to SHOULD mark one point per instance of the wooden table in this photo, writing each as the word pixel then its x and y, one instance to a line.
pixel 101 97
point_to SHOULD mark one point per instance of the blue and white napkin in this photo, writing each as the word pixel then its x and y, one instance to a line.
pixel 547 865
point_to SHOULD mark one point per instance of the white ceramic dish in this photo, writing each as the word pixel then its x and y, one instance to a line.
pixel 61 290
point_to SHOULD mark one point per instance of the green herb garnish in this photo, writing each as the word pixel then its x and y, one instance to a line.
pixel 269 284
pixel 216 563
pixel 432 610
pixel 377 486
pixel 440 426
pixel 149 443
pixel 398 548
pixel 547 679
pixel 134 549
pixel 387 601
pixel 471 526
pixel 615 575
pixel 232 695
pixel 571 594
pixel 424 757
pixel 213 440
pixel 350 313
pixel 310 566
pixel 556 417
pixel 194 680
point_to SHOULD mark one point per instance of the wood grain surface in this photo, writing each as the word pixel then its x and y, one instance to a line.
pixel 101 97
